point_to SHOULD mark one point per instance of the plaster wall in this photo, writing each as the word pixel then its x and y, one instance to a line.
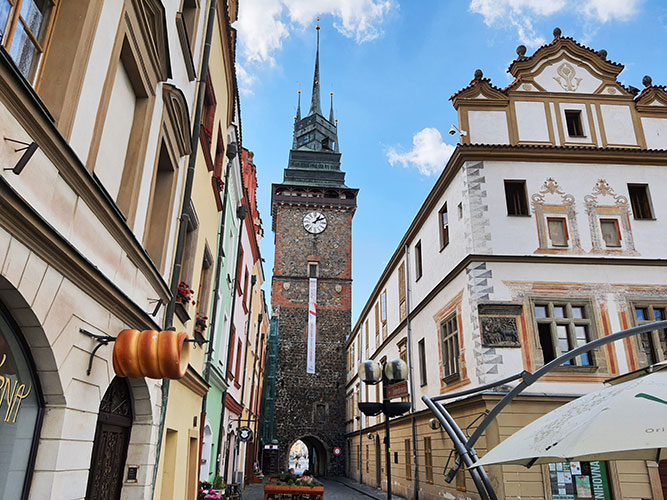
pixel 531 121
pixel 488 127
pixel 618 125
pixel 655 131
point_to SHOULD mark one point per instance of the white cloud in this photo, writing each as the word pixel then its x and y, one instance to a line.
pixel 521 14
pixel 429 153
pixel 263 25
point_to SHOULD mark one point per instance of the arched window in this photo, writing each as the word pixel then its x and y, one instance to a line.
pixel 20 412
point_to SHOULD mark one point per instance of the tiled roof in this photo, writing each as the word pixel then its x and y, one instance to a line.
pixel 474 82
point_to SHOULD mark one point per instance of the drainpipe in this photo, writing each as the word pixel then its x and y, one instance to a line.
pixel 184 219
pixel 415 475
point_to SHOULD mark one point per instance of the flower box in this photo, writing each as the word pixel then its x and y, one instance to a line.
pixel 272 490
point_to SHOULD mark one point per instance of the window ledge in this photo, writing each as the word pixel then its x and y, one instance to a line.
pixel 528 216
pixel 443 247
pixel 645 218
pixel 451 378
pixel 182 312
pixel 575 369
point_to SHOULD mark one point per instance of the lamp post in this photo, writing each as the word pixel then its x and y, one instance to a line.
pixel 393 372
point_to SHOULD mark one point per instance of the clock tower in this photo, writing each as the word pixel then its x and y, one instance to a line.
pixel 311 292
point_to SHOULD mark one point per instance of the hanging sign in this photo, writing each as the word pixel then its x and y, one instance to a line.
pixel 245 434
pixel 312 332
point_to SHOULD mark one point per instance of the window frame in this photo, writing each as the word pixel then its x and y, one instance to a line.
pixel 573 116
pixel 565 232
pixel 423 372
pixel 452 360
pixel 428 459
pixel 383 313
pixel 402 292
pixel 653 335
pixel 408 460
pixel 617 227
pixel 522 208
pixel 634 203
pixel 419 270
pixel 570 322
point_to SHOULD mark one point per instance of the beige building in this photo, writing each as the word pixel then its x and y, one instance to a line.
pixel 543 232
pixel 102 95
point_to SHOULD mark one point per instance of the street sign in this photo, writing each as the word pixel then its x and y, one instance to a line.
pixel 337 451
pixel 397 390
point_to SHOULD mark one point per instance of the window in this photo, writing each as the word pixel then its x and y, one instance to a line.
pixel 450 347
pixel 428 460
pixel 203 294
pixel 557 227
pixel 418 260
pixel 246 280
pixel 377 326
pixel 611 233
pixel 239 267
pixel 312 269
pixel 24 28
pixel 383 313
pixel 230 353
pixel 516 198
pixel 640 199
pixel 653 345
pixel 408 461
pixel 460 207
pixel 561 327
pixel 573 121
pixel 402 309
pixel 366 338
pixel 422 362
pixel 368 457
pixel 403 355
pixel 443 222
pixel 208 120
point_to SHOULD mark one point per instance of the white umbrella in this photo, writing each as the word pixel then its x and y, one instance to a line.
pixel 625 421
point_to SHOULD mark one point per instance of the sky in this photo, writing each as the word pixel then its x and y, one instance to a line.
pixel 392 66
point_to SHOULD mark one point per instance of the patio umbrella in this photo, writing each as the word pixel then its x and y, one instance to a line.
pixel 625 421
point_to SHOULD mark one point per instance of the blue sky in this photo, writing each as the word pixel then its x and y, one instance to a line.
pixel 392 66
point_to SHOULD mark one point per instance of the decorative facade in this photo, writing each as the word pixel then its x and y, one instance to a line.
pixel 542 233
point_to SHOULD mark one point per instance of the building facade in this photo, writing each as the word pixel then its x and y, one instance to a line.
pixel 541 234
pixel 312 213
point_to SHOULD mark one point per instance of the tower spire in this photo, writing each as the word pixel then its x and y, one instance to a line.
pixel 298 107
pixel 315 100
pixel 331 112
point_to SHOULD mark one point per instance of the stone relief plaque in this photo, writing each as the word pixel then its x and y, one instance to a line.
pixel 498 325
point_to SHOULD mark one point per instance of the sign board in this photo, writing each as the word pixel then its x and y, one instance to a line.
pixel 245 434
pixel 397 390
pixel 337 451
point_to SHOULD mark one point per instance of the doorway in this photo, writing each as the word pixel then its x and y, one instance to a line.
pixel 112 436
pixel 316 461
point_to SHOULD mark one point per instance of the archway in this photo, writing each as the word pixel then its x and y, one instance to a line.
pixel 299 457
pixel 317 455
pixel 112 437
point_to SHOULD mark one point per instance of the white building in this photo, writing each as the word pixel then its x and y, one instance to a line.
pixel 544 231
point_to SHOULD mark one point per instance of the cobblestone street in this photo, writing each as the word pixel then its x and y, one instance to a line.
pixel 340 488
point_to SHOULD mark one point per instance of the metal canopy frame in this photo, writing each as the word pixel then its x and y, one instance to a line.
pixel 464 447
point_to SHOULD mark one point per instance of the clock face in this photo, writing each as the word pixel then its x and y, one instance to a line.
pixel 314 222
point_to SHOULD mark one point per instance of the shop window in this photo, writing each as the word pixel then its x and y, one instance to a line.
pixel 449 339
pixel 516 198
pixel 611 233
pixel 579 480
pixel 561 327
pixel 640 199
pixel 557 228
pixel 443 225
pixel 573 122
pixel 20 407
pixel 428 460
pixel 24 29
pixel 402 309
pixel 418 260
pixel 652 345
pixel 408 461
pixel 421 347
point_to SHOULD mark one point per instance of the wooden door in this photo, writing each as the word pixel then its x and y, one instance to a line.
pixel 112 437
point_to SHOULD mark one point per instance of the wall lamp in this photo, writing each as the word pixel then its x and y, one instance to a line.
pixel 29 149
pixel 453 129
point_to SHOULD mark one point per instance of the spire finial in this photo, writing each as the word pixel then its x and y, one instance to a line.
pixel 298 107
pixel 315 100
pixel 331 113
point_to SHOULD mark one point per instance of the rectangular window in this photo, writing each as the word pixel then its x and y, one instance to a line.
pixel 208 116
pixel 401 292
pixel 312 269
pixel 561 327
pixel 640 199
pixel 418 260
pixel 573 121
pixel 516 198
pixel 205 279
pixel 611 233
pixel 366 337
pixel 460 207
pixel 450 347
pixel 408 461
pixel 652 345
pixel 383 313
pixel 368 458
pixel 422 362
pixel 239 350
pixel 377 326
pixel 230 354
pixel 428 460
pixel 443 224
pixel 239 266
pixel 557 227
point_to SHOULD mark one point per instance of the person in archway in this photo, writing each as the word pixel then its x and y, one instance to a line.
pixel 306 476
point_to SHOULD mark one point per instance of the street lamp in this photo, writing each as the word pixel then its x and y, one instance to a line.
pixel 391 374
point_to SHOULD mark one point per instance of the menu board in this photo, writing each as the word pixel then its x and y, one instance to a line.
pixel 579 480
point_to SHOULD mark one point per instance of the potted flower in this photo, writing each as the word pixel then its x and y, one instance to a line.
pixel 201 323
pixel 184 293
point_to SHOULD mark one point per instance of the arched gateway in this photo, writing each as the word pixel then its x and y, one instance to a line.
pixel 316 457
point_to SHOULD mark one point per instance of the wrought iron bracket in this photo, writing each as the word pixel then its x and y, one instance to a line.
pixel 102 341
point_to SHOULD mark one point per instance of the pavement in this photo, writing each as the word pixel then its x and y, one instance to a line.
pixel 335 488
